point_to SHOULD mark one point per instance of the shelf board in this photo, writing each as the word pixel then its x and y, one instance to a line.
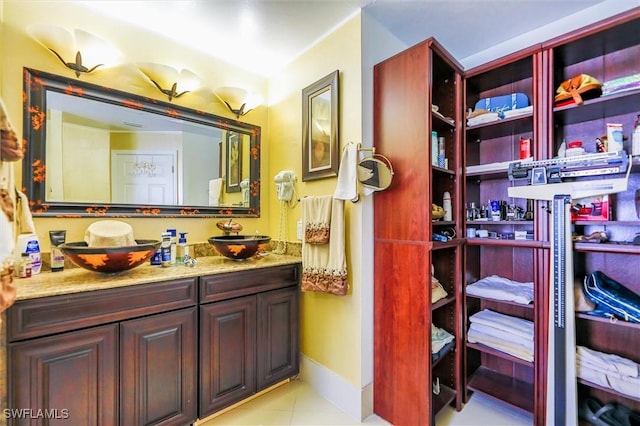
pixel 592 109
pixel 613 323
pixel 608 223
pixel 606 248
pixel 444 398
pixel 443 170
pixel 487 350
pixel 505 122
pixel 514 392
pixel 439 245
pixel 605 389
pixel 437 361
pixel 443 223
pixel 442 302
pixel 500 222
pixel 505 243
pixel 508 302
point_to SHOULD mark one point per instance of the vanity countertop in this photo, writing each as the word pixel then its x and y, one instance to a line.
pixel 76 280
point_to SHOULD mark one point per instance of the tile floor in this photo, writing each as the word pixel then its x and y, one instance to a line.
pixel 297 403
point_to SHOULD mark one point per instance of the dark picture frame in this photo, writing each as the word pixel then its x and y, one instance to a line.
pixel 320 144
pixel 233 165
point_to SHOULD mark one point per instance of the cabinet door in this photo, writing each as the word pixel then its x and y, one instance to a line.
pixel 227 353
pixel 158 369
pixel 70 376
pixel 278 329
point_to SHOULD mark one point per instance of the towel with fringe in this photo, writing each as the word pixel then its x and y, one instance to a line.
pixel 347 187
pixel 317 221
pixel 324 266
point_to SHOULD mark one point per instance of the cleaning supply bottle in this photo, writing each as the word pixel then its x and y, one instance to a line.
pixel 29 243
pixel 182 249
pixel 174 246
pixel 165 249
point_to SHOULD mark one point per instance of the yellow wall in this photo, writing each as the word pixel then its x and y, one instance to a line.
pixel 331 325
pixel 20 50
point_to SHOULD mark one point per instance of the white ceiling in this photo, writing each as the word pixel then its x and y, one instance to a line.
pixel 274 32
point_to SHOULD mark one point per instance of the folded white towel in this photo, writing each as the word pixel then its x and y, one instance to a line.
pixel 503 336
pixel 475 336
pixel 499 288
pixel 518 326
pixel 607 362
pixel 347 187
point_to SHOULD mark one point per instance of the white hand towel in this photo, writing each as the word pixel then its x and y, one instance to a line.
pixel 347 188
pixel 214 191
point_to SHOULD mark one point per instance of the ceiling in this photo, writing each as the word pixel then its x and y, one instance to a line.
pixel 274 32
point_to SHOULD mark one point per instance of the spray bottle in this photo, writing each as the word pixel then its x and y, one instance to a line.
pixel 182 249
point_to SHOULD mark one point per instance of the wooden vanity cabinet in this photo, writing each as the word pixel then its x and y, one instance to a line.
pixel 118 356
pixel 249 325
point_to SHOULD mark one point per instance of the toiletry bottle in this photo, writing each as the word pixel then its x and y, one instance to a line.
pixel 24 266
pixel 182 249
pixel 441 152
pixel 29 243
pixel 174 247
pixel 57 257
pixel 446 206
pixel 635 137
pixel 165 249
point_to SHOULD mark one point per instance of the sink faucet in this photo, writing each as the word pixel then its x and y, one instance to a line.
pixel 229 226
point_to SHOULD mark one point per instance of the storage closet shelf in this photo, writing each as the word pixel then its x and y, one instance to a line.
pixel 442 170
pixel 495 129
pixel 514 392
pixel 444 355
pixel 456 242
pixel 507 302
pixel 438 119
pixel 487 350
pixel 443 302
pixel 613 323
pixel 444 398
pixel 606 248
pixel 505 243
pixel 443 223
pixel 598 108
pixel 608 390
pixel 500 222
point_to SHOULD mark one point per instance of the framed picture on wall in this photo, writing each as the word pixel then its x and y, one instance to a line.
pixel 320 145
pixel 233 163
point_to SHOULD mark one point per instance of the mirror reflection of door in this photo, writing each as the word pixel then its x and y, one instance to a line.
pixel 143 178
pixel 320 129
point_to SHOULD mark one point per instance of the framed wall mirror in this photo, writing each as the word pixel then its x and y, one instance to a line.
pixel 95 151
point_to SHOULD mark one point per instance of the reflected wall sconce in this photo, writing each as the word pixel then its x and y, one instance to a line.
pixel 168 80
pixel 237 100
pixel 89 51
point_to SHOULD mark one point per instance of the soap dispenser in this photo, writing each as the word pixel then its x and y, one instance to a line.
pixel 182 249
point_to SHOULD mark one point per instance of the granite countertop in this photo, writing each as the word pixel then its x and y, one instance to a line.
pixel 76 280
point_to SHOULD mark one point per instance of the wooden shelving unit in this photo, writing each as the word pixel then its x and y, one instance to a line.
pixel 405 88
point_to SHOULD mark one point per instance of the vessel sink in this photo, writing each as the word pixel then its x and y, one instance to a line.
pixel 240 247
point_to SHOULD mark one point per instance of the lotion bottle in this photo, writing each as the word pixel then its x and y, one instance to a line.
pixel 174 245
pixel 182 249
pixel 446 206
pixel 29 243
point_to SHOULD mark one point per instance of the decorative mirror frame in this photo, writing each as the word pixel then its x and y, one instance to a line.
pixel 36 85
pixel 320 87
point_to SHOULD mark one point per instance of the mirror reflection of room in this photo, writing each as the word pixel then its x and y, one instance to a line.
pixel 320 131
pixel 99 153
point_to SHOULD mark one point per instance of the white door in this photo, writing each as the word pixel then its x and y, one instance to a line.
pixel 143 178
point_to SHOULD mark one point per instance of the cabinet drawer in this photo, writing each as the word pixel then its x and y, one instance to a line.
pixel 48 315
pixel 235 284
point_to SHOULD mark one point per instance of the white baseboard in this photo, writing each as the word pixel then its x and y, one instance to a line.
pixel 358 403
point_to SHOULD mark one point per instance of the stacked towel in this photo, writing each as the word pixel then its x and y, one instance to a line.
pixel 439 339
pixel 504 333
pixel 608 370
pixel 324 265
pixel 499 288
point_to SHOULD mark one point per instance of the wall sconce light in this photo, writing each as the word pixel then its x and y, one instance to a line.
pixel 89 51
pixel 168 80
pixel 237 100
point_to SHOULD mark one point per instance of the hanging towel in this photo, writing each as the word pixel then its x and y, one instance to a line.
pixel 214 191
pixel 347 188
pixel 324 266
pixel 317 219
